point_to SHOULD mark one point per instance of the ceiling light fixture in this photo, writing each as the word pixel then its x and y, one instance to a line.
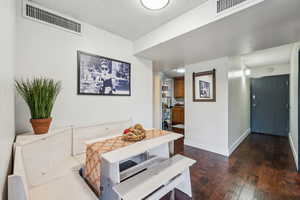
pixel 247 72
pixel 155 4
pixel 180 70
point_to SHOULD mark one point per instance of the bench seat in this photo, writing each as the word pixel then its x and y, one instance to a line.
pixel 168 172
pixel 61 170
pixel 70 186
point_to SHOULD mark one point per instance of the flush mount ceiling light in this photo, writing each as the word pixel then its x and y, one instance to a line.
pixel 180 70
pixel 155 4
pixel 247 72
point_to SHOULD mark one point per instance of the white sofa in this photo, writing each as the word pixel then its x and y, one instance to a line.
pixel 46 167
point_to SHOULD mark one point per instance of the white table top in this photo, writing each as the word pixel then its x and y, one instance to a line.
pixel 138 148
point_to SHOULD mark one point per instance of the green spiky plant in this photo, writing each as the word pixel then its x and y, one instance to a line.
pixel 39 94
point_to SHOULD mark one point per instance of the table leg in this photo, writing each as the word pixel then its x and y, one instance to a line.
pixel 110 176
pixel 171 148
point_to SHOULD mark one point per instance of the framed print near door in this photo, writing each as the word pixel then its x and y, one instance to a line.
pixel 204 86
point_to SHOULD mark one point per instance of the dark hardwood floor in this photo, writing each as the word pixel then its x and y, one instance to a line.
pixel 261 168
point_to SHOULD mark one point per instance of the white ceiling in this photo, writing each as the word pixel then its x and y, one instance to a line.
pixel 266 25
pixel 275 56
pixel 127 18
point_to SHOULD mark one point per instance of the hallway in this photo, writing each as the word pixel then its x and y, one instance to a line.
pixel 262 168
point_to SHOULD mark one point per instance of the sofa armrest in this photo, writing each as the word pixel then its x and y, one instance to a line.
pixel 16 188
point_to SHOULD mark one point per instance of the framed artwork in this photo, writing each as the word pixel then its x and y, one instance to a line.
pixel 98 75
pixel 204 86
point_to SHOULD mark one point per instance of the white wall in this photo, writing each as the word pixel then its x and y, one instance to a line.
pixel 47 51
pixel 271 70
pixel 268 57
pixel 7 52
pixel 294 101
pixel 269 62
pixel 206 123
pixel 238 104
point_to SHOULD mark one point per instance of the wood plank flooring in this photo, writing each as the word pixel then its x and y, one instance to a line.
pixel 262 168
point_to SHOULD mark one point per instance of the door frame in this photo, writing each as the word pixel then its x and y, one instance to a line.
pixel 298 110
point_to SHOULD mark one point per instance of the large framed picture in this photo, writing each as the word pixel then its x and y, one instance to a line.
pixel 204 86
pixel 98 75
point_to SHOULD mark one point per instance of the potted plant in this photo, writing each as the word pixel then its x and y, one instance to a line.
pixel 40 95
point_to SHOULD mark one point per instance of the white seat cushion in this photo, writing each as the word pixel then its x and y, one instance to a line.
pixel 48 158
pixel 54 172
pixel 71 186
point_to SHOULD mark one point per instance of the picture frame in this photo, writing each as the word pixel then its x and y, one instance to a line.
pixel 204 86
pixel 99 75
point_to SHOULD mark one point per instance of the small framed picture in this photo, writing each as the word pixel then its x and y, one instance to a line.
pixel 98 75
pixel 204 86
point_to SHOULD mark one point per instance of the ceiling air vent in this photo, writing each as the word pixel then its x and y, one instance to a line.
pixel 226 4
pixel 43 15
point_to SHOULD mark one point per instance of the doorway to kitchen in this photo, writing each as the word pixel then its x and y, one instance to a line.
pixel 172 102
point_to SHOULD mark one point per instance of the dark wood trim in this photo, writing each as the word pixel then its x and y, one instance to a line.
pixel 213 73
pixel 78 74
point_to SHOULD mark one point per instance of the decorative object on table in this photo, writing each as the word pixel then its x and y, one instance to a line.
pixel 135 133
pixel 40 95
pixel 98 75
pixel 204 86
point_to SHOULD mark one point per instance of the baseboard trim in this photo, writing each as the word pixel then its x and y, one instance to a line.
pixel 197 144
pixel 239 141
pixel 293 150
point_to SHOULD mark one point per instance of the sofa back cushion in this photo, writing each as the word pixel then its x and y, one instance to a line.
pixel 42 157
pixel 85 133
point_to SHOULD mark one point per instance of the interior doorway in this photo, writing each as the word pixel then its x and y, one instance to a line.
pixel 270 98
pixel 172 104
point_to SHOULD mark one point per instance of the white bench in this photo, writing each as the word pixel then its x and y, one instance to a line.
pixel 46 167
pixel 158 180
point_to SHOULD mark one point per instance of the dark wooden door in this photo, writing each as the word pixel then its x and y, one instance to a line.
pixel 270 105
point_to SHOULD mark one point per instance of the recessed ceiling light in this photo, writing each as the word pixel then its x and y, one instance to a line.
pixel 155 4
pixel 180 70
pixel 247 72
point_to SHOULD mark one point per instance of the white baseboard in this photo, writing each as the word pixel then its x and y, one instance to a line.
pixel 239 141
pixel 197 144
pixel 293 150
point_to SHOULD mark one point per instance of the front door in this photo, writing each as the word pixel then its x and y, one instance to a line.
pixel 270 105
